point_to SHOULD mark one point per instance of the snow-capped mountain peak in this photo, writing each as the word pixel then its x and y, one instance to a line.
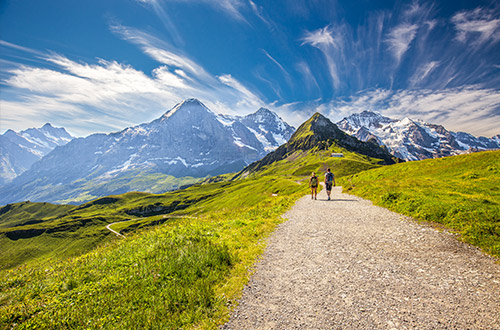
pixel 413 139
pixel 188 140
pixel 19 150
pixel 187 107
pixel 365 119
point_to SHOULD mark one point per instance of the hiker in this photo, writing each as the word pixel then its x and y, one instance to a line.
pixel 329 181
pixel 313 183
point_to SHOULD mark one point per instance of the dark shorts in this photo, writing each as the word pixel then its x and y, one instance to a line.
pixel 328 186
pixel 312 186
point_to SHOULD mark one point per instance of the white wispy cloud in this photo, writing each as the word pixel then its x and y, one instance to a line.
pixel 248 99
pixel 324 40
pixel 320 38
pixel 161 51
pixel 477 26
pixel 230 7
pixel 259 12
pixel 18 47
pixel 287 76
pixel 423 72
pixel 108 96
pixel 165 18
pixel 400 38
pixel 309 79
pixel 112 93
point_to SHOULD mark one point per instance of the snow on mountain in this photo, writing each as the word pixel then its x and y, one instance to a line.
pixel 413 139
pixel 19 150
pixel 188 140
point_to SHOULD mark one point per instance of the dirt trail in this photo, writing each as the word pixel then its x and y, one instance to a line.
pixel 108 227
pixel 346 264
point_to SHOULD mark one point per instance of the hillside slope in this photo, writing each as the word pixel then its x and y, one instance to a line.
pixel 459 192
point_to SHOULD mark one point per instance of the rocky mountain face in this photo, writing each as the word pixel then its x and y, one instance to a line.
pixel 19 150
pixel 413 139
pixel 319 132
pixel 188 140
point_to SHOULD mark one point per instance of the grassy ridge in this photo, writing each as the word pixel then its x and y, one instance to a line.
pixel 461 193
pixel 302 163
pixel 131 180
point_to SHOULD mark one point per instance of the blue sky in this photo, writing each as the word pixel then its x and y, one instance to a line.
pixel 100 66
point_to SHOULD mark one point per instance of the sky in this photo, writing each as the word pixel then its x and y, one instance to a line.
pixel 101 66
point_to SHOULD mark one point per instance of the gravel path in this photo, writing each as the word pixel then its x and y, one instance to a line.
pixel 346 264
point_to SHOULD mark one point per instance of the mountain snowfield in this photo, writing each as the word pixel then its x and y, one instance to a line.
pixel 19 150
pixel 187 141
pixel 411 139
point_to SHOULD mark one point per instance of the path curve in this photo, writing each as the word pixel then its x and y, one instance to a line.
pixel 108 227
pixel 347 264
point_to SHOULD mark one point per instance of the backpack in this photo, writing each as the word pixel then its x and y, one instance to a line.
pixel 329 177
pixel 314 181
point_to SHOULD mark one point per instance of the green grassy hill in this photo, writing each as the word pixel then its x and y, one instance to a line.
pixel 461 193
pixel 183 262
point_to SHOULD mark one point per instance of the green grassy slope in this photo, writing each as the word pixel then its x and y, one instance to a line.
pixel 134 180
pixel 19 214
pixel 182 273
pixel 186 255
pixel 461 193
pixel 302 163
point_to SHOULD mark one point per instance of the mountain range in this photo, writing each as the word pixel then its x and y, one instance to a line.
pixel 190 142
pixel 319 137
pixel 410 139
pixel 19 150
pixel 187 141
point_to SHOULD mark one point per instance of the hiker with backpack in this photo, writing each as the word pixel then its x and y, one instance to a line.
pixel 329 182
pixel 313 183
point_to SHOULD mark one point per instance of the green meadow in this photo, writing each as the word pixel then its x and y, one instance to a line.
pixel 183 262
pixel 461 193
pixel 187 254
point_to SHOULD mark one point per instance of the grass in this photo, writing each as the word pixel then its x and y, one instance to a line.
pixel 185 259
pixel 84 191
pixel 183 273
pixel 302 163
pixel 187 254
pixel 461 192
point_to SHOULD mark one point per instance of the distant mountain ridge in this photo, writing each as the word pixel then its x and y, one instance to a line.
pixel 188 140
pixel 19 150
pixel 411 139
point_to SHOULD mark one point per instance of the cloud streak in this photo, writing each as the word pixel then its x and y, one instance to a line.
pixel 478 26
pixel 400 38
pixel 230 7
pixel 329 45
pixel 282 69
